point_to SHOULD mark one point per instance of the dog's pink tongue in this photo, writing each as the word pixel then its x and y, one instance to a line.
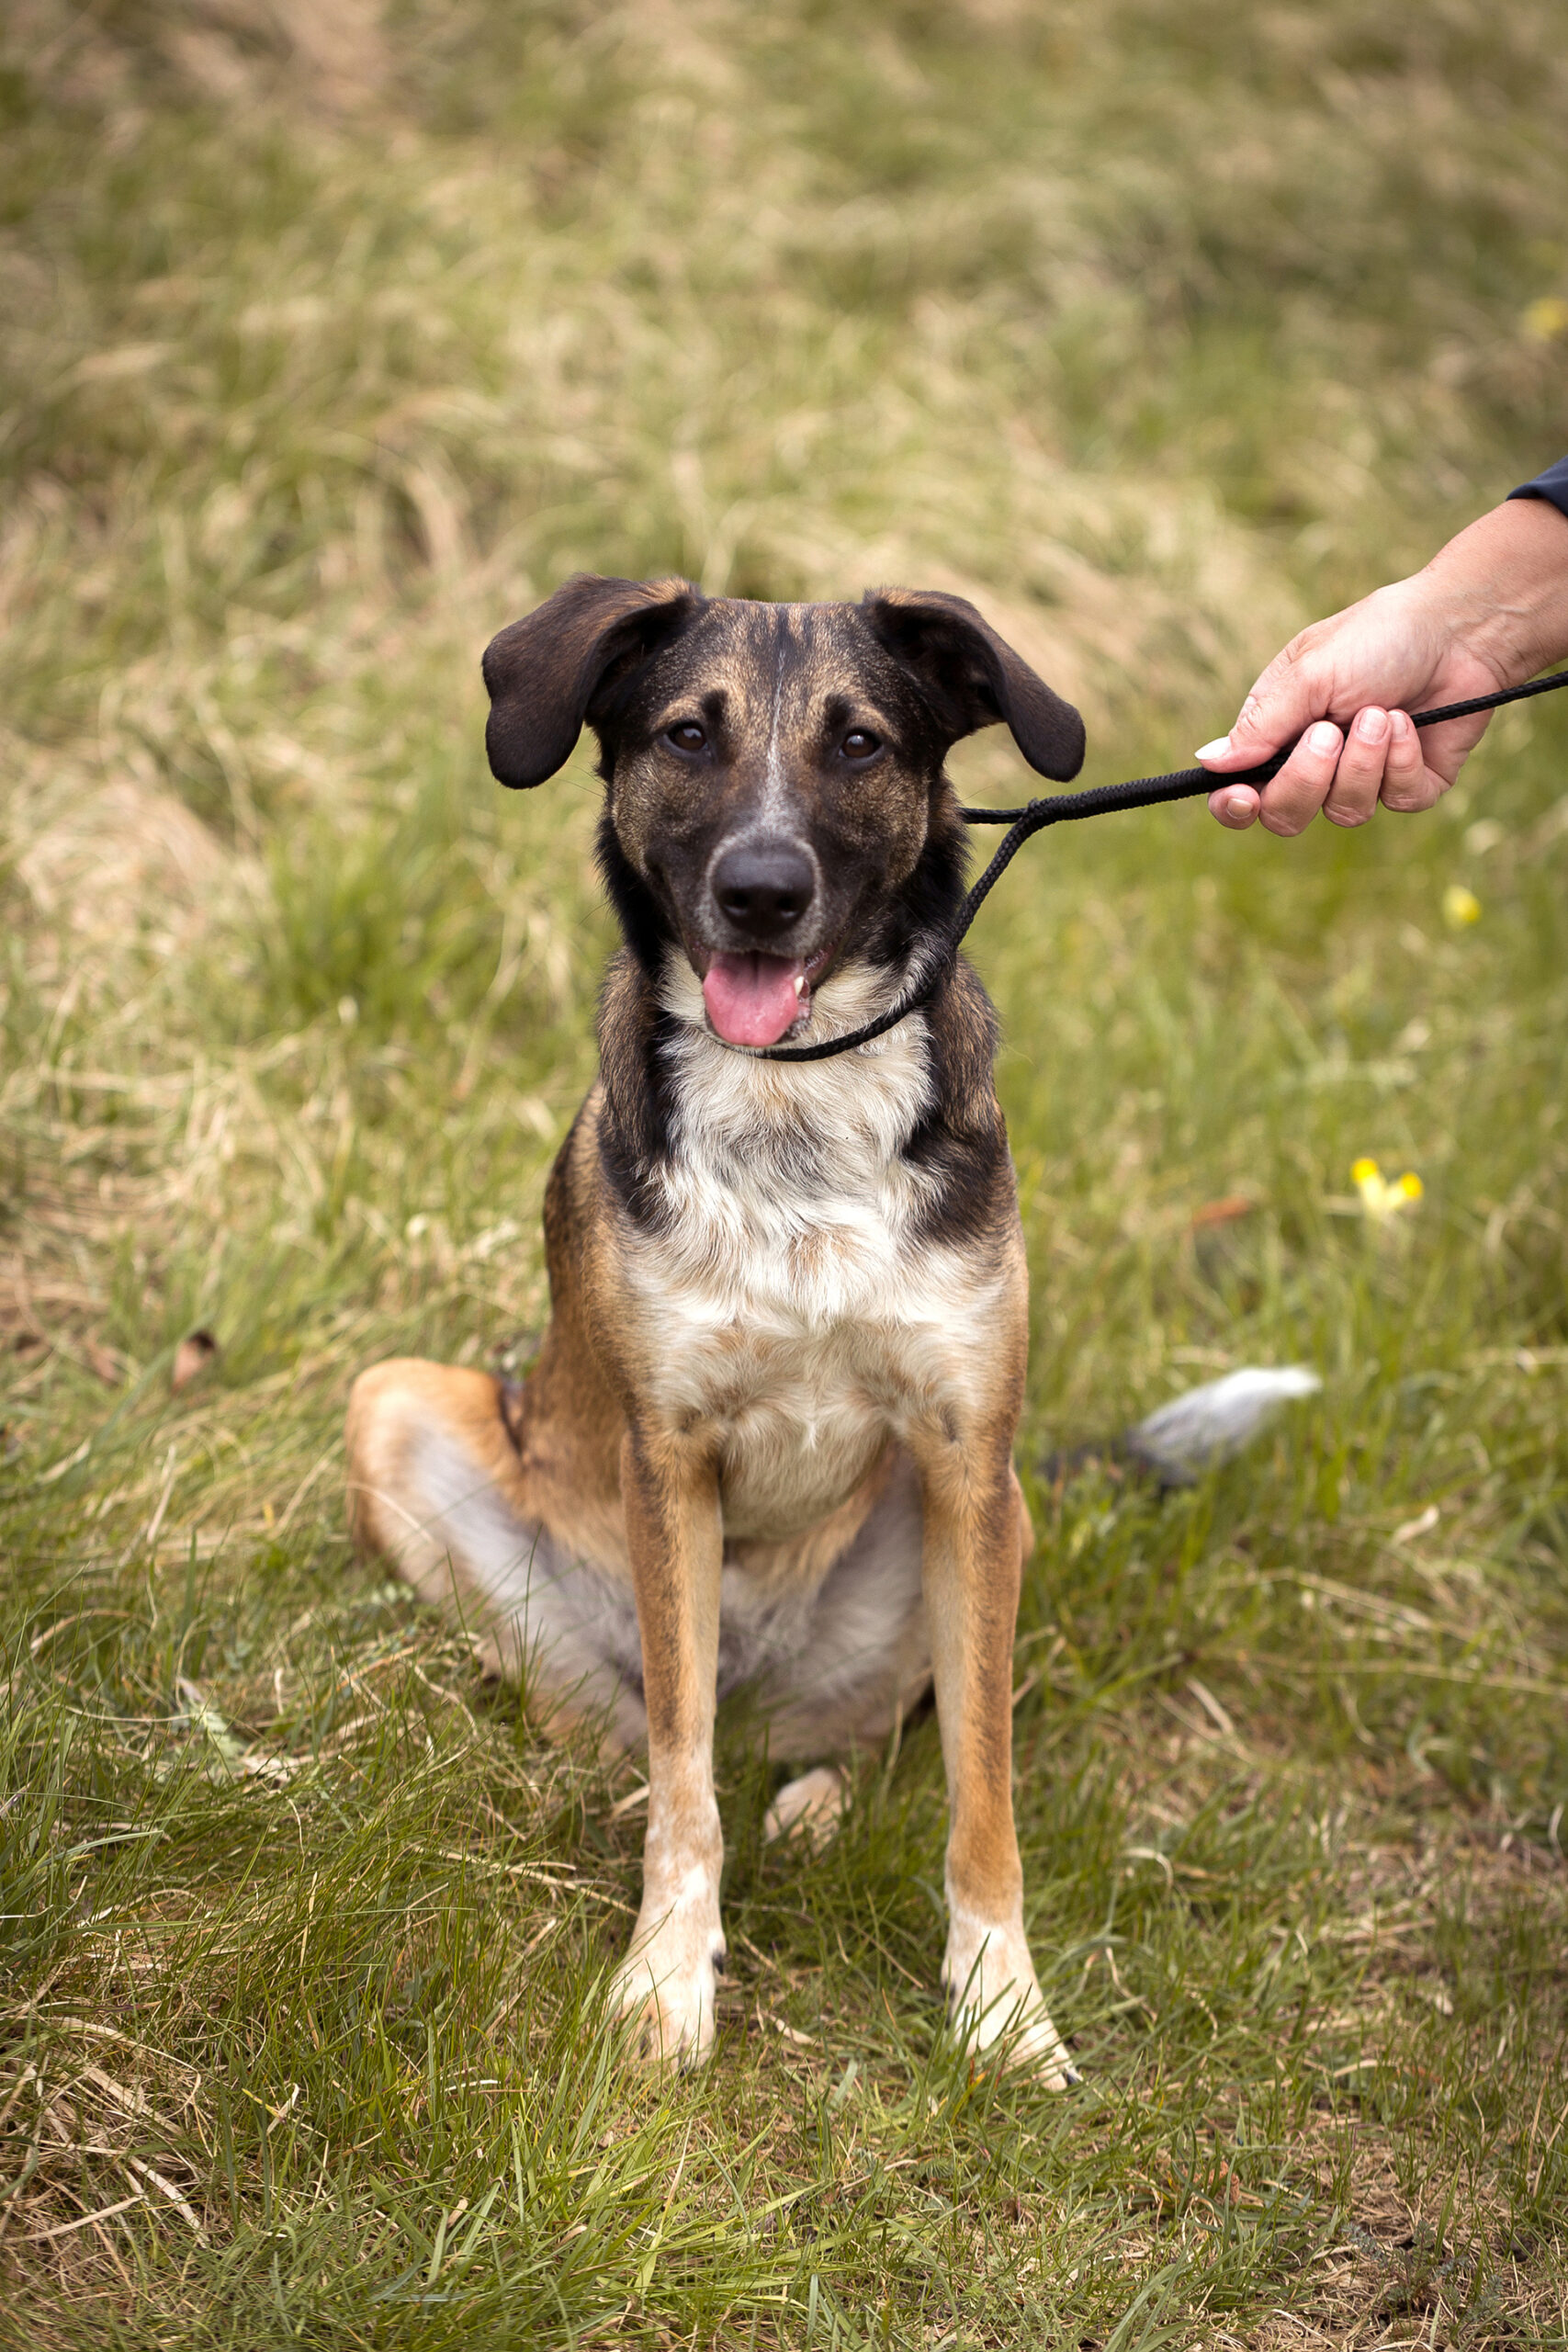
pixel 752 999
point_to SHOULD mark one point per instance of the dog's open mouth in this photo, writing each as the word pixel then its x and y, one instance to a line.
pixel 753 1000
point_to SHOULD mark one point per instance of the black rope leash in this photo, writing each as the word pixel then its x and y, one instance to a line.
pixel 1065 807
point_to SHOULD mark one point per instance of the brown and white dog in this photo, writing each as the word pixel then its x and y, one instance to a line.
pixel 768 1438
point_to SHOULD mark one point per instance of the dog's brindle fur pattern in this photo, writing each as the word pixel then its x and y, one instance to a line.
pixel 769 1434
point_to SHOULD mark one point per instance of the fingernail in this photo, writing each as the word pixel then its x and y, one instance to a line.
pixel 1372 726
pixel 1399 726
pixel 1215 751
pixel 1238 805
pixel 1323 737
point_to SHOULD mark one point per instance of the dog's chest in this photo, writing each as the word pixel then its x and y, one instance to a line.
pixel 789 1294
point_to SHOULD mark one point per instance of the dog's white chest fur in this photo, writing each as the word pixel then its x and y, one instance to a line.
pixel 791 1300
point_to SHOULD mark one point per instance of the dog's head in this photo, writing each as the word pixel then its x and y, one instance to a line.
pixel 776 804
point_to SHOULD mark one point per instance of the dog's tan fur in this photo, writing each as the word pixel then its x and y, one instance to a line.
pixel 769 1434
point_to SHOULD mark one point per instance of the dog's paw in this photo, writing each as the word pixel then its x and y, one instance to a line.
pixel 666 1986
pixel 810 1806
pixel 996 2002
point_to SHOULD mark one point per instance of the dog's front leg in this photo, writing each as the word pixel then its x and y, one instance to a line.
pixel 970 1567
pixel 675 1538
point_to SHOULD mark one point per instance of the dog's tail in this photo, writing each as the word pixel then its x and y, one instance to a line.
pixel 1194 1431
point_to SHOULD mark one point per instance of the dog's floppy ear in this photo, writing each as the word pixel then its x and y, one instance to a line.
pixel 544 671
pixel 970 679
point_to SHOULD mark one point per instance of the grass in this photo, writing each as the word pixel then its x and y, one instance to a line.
pixel 334 338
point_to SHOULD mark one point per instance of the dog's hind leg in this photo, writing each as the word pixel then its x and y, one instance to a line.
pixel 436 1485
pixel 812 1804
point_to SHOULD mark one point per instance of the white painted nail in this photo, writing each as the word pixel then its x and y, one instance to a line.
pixel 1215 751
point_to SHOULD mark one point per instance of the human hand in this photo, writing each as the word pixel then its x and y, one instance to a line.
pixel 1488 611
pixel 1346 687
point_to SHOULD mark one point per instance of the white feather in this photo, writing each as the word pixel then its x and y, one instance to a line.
pixel 1211 1423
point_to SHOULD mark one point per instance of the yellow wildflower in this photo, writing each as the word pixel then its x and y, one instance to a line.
pixel 1380 1198
pixel 1460 907
pixel 1545 319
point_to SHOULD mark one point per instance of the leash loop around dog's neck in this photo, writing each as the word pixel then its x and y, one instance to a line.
pixel 1063 808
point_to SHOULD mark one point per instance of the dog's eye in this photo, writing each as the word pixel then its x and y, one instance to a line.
pixel 860 744
pixel 686 735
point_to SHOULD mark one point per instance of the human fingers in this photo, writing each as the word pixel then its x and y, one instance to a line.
pixel 1297 687
pixel 1251 741
pixel 1294 797
pixel 1353 794
pixel 1236 806
pixel 1427 761
pixel 1406 785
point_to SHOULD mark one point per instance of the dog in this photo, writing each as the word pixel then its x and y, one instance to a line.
pixel 768 1438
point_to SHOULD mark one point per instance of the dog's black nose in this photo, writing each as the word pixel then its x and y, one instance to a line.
pixel 764 889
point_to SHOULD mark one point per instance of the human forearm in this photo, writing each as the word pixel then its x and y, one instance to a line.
pixel 1500 586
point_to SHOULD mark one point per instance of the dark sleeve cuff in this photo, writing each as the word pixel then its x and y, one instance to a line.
pixel 1552 485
